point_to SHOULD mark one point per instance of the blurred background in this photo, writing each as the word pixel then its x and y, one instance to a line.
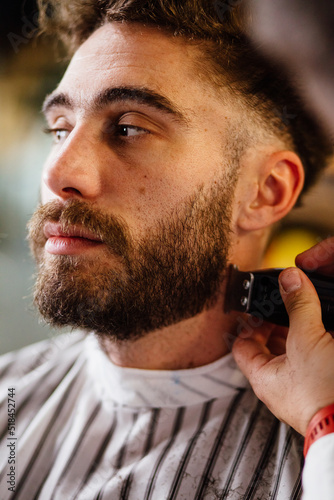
pixel 29 69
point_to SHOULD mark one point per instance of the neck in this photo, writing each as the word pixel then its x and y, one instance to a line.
pixel 191 343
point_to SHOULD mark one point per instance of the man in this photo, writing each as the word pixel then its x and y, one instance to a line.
pixel 169 161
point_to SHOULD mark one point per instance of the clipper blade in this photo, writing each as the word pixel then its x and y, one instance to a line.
pixel 238 289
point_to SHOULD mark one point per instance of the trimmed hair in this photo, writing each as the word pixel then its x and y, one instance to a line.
pixel 228 59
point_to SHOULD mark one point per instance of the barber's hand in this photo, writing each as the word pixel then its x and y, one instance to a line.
pixel 297 384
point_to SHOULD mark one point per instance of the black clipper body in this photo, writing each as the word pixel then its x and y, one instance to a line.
pixel 257 293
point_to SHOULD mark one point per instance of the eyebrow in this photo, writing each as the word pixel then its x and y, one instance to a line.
pixel 140 95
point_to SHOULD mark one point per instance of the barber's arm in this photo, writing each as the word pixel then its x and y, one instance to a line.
pixel 298 386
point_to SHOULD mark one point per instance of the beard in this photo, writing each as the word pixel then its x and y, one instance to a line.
pixel 172 273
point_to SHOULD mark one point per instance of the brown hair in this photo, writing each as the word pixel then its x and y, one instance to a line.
pixel 218 27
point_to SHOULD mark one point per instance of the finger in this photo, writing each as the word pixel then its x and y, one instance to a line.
pixel 302 304
pixel 250 356
pixel 320 257
pixel 277 341
pixel 251 328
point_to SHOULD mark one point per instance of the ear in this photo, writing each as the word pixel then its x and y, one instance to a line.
pixel 279 182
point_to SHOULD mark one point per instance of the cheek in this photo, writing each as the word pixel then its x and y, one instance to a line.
pixel 145 204
pixel 150 200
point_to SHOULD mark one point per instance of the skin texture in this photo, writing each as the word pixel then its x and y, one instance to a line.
pixel 147 177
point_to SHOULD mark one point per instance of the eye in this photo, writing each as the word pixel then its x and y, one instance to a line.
pixel 130 131
pixel 59 134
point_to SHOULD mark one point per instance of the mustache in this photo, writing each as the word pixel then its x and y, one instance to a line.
pixel 111 230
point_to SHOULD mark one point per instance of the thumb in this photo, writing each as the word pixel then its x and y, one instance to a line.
pixel 302 303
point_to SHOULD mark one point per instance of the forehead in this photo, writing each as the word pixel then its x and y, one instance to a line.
pixel 119 55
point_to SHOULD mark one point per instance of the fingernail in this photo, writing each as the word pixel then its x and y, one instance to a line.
pixel 290 280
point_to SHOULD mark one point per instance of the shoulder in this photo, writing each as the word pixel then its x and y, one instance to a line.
pixel 52 351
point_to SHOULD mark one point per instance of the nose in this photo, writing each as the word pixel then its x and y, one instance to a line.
pixel 73 169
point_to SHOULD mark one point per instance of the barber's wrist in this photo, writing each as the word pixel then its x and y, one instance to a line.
pixel 320 425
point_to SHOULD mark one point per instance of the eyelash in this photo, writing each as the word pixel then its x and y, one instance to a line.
pixel 115 131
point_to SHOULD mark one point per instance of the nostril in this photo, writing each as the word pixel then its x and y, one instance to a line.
pixel 72 191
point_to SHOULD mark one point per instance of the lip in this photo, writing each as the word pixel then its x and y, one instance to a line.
pixel 72 241
pixel 52 229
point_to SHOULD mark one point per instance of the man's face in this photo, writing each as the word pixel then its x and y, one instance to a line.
pixel 137 192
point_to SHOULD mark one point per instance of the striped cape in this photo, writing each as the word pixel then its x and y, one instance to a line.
pixel 89 430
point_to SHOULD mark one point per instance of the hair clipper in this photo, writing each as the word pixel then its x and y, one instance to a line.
pixel 257 293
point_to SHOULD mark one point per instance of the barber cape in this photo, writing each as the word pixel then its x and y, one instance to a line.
pixel 86 429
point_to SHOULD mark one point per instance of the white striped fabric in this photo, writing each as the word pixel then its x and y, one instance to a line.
pixel 89 430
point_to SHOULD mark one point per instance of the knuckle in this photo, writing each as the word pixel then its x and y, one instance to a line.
pixel 300 302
